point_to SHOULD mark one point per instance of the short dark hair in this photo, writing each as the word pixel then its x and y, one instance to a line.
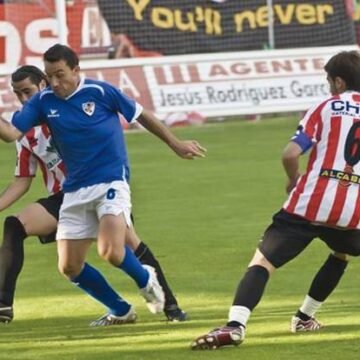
pixel 29 71
pixel 62 52
pixel 345 65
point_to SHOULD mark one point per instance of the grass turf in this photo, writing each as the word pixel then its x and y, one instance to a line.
pixel 203 220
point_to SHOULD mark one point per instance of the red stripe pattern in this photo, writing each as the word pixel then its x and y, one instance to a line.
pixel 36 150
pixel 329 190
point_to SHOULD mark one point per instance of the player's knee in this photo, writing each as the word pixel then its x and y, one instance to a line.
pixel 111 254
pixel 69 270
pixel 340 256
pixel 14 229
pixel 260 260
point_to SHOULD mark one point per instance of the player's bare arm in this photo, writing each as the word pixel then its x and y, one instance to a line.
pixel 290 161
pixel 188 149
pixel 14 191
pixel 8 132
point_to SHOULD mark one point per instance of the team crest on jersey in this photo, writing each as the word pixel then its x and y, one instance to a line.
pixel 88 107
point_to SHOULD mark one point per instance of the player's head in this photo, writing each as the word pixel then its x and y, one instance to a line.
pixel 62 69
pixel 343 71
pixel 26 81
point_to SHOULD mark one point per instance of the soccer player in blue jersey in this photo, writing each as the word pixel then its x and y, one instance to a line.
pixel 40 218
pixel 82 115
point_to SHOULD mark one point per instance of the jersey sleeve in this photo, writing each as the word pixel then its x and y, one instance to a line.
pixel 26 163
pixel 311 120
pixel 29 116
pixel 306 134
pixel 123 104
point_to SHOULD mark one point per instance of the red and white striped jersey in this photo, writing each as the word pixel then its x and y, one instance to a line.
pixel 35 149
pixel 329 191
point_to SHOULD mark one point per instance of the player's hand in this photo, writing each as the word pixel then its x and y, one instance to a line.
pixel 189 149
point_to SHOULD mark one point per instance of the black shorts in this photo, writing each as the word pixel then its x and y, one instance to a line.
pixel 289 235
pixel 52 206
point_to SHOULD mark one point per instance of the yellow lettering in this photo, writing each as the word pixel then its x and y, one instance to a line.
pixel 240 18
pixel 162 18
pixel 323 10
pixel 285 16
pixel 188 24
pixel 340 175
pixel 354 178
pixel 167 18
pixel 346 177
pixel 262 16
pixel 212 22
pixel 306 14
pixel 138 6
pixel 325 173
pixel 199 13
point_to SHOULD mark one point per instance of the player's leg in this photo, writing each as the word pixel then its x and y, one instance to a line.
pixel 72 254
pixel 111 241
pixel 323 284
pixel 78 224
pixel 343 243
pixel 34 219
pixel 283 240
pixel 172 310
pixel 111 247
pixel 114 209
pixel 247 296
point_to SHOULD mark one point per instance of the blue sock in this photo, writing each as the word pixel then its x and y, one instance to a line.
pixel 132 266
pixel 93 283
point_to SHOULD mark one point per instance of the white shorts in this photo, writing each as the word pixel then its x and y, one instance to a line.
pixel 81 210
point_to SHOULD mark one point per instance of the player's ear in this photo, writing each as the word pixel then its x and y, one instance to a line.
pixel 76 69
pixel 42 85
pixel 340 85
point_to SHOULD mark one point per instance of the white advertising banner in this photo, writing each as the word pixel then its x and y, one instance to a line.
pixel 220 84
pixel 248 83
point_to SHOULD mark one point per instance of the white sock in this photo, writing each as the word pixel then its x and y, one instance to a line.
pixel 310 306
pixel 239 314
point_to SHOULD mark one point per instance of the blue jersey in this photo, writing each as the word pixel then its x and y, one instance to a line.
pixel 86 130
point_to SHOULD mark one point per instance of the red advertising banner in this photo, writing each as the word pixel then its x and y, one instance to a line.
pixel 27 30
pixel 131 79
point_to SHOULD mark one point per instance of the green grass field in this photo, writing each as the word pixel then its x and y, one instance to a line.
pixel 203 220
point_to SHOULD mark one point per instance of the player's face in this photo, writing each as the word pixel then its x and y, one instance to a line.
pixel 25 89
pixel 63 80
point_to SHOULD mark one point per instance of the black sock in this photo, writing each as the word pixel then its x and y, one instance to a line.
pixel 251 287
pixel 11 258
pixel 145 256
pixel 325 281
pixel 327 278
pixel 234 324
pixel 302 316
